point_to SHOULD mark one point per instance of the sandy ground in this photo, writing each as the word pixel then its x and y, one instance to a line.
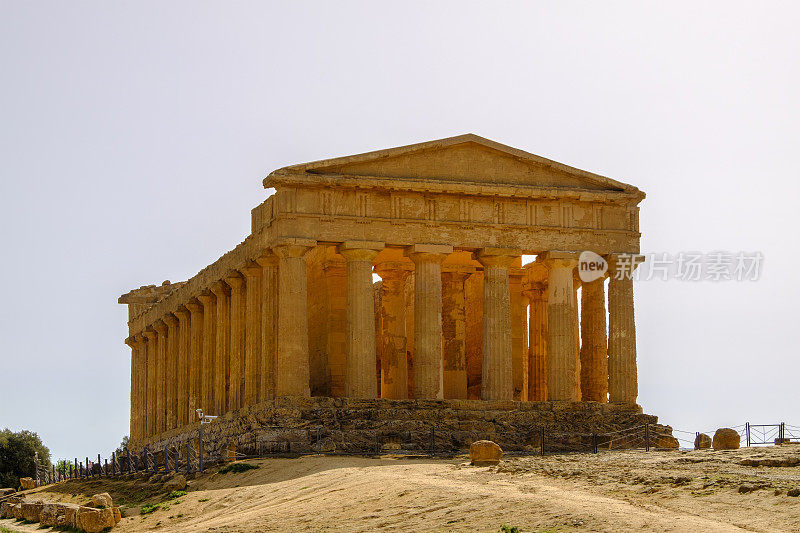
pixel 610 491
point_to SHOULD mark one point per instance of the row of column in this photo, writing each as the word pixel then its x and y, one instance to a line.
pixel 245 339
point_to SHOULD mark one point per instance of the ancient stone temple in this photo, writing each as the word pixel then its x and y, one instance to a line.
pixel 294 315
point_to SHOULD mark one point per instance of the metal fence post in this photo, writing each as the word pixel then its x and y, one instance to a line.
pixel 200 447
pixel 542 446
pixel 433 441
pixel 188 458
pixel 130 463
pixel 647 437
pixel 747 430
pixel 99 466
pixel 782 432
pixel 594 442
pixel 166 459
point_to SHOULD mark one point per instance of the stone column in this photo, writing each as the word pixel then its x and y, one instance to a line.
pixel 161 364
pixel 236 350
pixel 563 380
pixel 428 362
pixel 537 335
pixel 221 346
pixel 195 355
pixel 171 372
pixel 622 375
pixel 252 334
pixel 134 345
pixel 497 381
pixel 360 379
pixel 151 387
pixel 519 332
pixel 269 320
pixel 335 271
pixel 454 331
pixel 393 354
pixel 207 361
pixel 292 364
pixel 182 375
pixel 594 345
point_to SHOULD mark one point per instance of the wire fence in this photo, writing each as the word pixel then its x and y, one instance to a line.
pixel 196 454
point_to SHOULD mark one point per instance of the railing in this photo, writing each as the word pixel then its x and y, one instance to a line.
pixel 191 458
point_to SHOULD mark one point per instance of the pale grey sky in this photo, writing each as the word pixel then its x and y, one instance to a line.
pixel 134 137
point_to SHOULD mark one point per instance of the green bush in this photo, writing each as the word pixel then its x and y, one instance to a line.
pixel 149 508
pixel 176 494
pixel 17 452
pixel 237 468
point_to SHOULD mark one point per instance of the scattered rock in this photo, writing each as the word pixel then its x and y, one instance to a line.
pixel 485 452
pixel 786 461
pixel 794 493
pixel 702 442
pixel 176 482
pixel 16 510
pixel 664 442
pixel 94 520
pixel 745 488
pixel 31 511
pixel 102 500
pixel 27 483
pixel 726 439
pixel 117 515
pixel 778 492
pixel 6 492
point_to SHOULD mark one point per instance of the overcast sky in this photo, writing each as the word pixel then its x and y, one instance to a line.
pixel 134 137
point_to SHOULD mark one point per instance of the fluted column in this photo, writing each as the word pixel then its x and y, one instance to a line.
pixel 252 334
pixel 622 374
pixel 563 380
pixel 207 369
pixel 170 381
pixel 161 363
pixel 151 387
pixel 537 342
pixel 182 374
pixel 428 361
pixel 497 379
pixel 519 333
pixel 221 346
pixel 594 345
pixel 269 320
pixel 292 368
pixel 135 356
pixel 360 379
pixel 392 350
pixel 454 332
pixel 236 350
pixel 195 356
pixel 335 271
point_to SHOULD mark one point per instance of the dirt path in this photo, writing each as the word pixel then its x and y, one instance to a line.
pixel 614 491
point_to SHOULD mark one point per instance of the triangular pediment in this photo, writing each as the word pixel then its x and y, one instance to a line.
pixel 466 158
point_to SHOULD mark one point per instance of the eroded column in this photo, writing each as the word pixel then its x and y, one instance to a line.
pixel 207 369
pixel 427 260
pixel 161 364
pixel 563 380
pixel 292 368
pixel 393 354
pixel 195 355
pixel 537 341
pixel 519 331
pixel 454 331
pixel 622 374
pixel 594 345
pixel 170 379
pixel 135 355
pixel 360 379
pixel 221 346
pixel 236 350
pixel 269 321
pixel 252 334
pixel 151 387
pixel 182 375
pixel 497 382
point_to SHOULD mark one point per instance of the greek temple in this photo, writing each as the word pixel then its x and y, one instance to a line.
pixel 296 310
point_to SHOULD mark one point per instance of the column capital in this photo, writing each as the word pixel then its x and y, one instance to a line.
pixel 536 271
pixel 139 338
pixel 182 313
pixel 428 253
pixel 160 327
pixel 206 298
pixel 394 270
pixel 234 279
pixel 293 247
pixel 170 320
pixel 497 257
pixel 194 306
pixel 220 288
pixel 559 259
pixel 131 341
pixel 267 258
pixel 622 265
pixel 149 333
pixel 360 250
pixel 251 270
